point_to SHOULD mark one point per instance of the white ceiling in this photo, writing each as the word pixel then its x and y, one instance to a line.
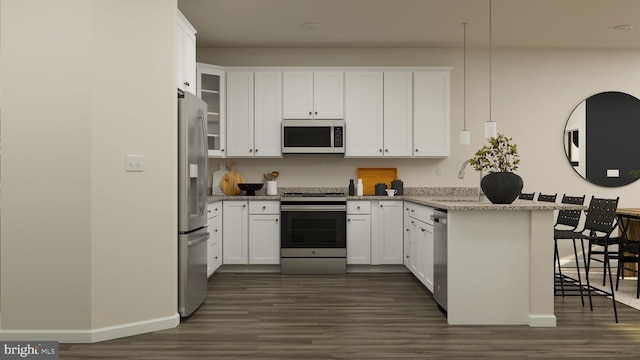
pixel 413 23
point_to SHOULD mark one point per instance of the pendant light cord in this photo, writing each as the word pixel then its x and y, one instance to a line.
pixel 490 50
pixel 464 76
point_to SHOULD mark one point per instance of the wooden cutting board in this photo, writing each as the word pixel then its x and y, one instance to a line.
pixel 230 181
pixel 372 176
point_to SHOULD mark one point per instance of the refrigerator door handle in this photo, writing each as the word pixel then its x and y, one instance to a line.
pixel 203 118
pixel 199 239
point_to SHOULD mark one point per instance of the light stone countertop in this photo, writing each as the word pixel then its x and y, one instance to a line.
pixel 453 199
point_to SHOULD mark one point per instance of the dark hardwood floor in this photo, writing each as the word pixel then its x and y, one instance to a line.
pixel 362 316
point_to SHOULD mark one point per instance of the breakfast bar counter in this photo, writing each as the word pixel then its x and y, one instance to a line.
pixel 499 261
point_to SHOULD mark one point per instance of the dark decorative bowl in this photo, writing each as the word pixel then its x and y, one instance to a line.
pixel 250 188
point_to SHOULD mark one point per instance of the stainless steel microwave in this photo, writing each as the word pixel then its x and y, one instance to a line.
pixel 313 136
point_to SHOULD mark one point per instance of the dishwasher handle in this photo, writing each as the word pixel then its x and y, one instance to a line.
pixel 439 219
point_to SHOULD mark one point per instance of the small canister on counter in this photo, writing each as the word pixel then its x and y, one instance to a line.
pixel 380 189
pixel 397 185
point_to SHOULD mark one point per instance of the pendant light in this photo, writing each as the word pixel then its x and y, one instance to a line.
pixel 465 135
pixel 490 127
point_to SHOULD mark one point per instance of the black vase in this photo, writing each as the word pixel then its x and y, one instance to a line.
pixel 501 187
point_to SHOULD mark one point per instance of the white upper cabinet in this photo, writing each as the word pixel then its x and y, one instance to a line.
pixel 378 113
pixel 186 57
pixel 313 95
pixel 240 113
pixel 431 103
pixel 254 113
pixel 364 113
pixel 398 113
pixel 267 114
pixel 211 89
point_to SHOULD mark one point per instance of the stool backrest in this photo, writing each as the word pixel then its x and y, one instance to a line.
pixel 601 215
pixel 547 198
pixel 526 196
pixel 570 217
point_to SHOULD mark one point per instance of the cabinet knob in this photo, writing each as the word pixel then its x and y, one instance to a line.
pixel 381 205
pixel 413 222
pixel 423 230
pixel 380 150
pixel 309 112
pixel 209 211
pixel 407 229
pixel 316 113
pixel 256 150
pixel 244 205
pixel 250 150
pixel 407 256
pixel 348 220
pixel 416 150
pixel 386 150
pixel 215 257
pixel 215 230
pixel 277 220
pixel 358 207
pixel 264 207
pixel 221 150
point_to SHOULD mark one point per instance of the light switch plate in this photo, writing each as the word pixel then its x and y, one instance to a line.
pixel 439 170
pixel 134 163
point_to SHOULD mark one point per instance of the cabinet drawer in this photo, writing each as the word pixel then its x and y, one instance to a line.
pixel 264 207
pixel 358 207
pixel 214 209
pixel 419 212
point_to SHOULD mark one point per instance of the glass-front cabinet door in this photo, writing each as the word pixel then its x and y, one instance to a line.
pixel 211 85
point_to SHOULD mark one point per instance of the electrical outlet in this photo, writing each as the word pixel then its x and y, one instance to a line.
pixel 134 163
pixel 439 170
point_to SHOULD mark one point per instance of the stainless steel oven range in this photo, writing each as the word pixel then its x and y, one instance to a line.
pixel 313 232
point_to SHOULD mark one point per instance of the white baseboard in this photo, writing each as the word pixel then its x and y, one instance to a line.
pixel 93 335
pixel 542 321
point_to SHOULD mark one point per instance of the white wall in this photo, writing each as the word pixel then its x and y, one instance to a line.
pixel 533 94
pixel 88 251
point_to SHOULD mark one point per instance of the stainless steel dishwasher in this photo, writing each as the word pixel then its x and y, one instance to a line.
pixel 439 218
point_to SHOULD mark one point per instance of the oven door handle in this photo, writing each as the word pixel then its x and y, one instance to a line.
pixel 313 208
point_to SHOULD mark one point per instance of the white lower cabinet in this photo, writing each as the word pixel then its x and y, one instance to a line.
pixel 235 232
pixel 359 233
pixel 419 242
pixel 387 241
pixel 264 232
pixel 214 244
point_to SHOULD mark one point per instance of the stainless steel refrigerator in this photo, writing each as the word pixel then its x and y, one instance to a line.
pixel 192 203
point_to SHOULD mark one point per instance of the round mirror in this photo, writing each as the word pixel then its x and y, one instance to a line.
pixel 602 139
